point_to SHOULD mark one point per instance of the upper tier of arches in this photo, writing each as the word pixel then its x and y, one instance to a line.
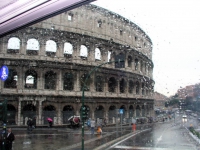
pixel 94 21
pixel 81 49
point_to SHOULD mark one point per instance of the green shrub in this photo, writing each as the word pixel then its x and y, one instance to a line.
pixel 194 132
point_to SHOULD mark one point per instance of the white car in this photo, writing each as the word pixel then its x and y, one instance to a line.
pixel 184 118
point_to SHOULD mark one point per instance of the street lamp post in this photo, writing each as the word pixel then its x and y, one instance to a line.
pixel 83 92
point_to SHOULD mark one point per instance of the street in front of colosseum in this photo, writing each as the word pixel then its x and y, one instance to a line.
pixel 170 134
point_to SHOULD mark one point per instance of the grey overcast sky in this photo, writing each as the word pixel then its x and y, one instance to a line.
pixel 174 28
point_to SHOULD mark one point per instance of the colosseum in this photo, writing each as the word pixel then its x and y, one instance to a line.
pixel 49 61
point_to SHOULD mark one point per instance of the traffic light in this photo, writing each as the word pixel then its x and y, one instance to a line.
pixel 85 112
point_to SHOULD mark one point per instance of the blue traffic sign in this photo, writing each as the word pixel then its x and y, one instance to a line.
pixel 4 73
pixel 121 111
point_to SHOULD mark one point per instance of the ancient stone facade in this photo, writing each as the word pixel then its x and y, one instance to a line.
pixel 49 61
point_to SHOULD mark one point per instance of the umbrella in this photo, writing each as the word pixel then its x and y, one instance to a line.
pixel 49 119
pixel 76 120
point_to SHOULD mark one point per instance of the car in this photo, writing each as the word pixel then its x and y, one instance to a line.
pixel 184 118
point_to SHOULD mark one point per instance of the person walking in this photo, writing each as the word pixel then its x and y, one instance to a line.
pixel 28 124
pixel 99 130
pixel 92 125
pixel 89 123
pixel 9 139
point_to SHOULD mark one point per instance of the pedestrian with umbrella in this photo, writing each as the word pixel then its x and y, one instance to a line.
pixel 50 121
pixel 74 121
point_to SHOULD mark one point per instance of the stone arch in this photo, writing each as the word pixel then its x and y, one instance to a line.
pixel 118 57
pixel 28 111
pixel 112 84
pixel 68 48
pixel 122 86
pixel 143 88
pixel 147 89
pixel 11 112
pixel 87 83
pixel 68 81
pixel 124 111
pixel 99 82
pixel 32 47
pixel 138 109
pixel 147 110
pixel 31 79
pixel 109 56
pixel 11 81
pixel 51 46
pixel 131 86
pixel 13 43
pixel 112 114
pixel 68 111
pixel 49 111
pixel 99 112
pixel 83 51
pixel 33 44
pixel 50 80
pixel 130 60
pixel 137 85
pixel 97 54
pixel 136 64
pixel 143 111
pixel 141 65
pixel 131 111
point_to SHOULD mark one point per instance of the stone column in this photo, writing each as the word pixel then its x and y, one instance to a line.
pixel 92 85
pixel 139 64
pixel 59 81
pixel 134 112
pixel 19 113
pixel 77 82
pixel 92 111
pixel 60 50
pixel 106 114
pixel 112 57
pixel 104 56
pixel 91 53
pixel 4 45
pixel 42 50
pixel 105 84
pixel 21 78
pixel 76 52
pixel 127 114
pixel 23 46
pixel 133 63
pixel 152 112
pixel 59 114
pixel 126 87
pixel 118 86
pixel 140 111
pixel 140 90
pixel 40 113
pixel 40 79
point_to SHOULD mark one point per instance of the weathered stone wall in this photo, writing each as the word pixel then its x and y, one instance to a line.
pixel 114 34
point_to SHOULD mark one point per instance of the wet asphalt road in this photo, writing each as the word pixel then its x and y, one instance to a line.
pixel 171 135
pixel 163 136
pixel 60 139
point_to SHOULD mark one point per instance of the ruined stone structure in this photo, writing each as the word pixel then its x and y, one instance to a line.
pixel 48 63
